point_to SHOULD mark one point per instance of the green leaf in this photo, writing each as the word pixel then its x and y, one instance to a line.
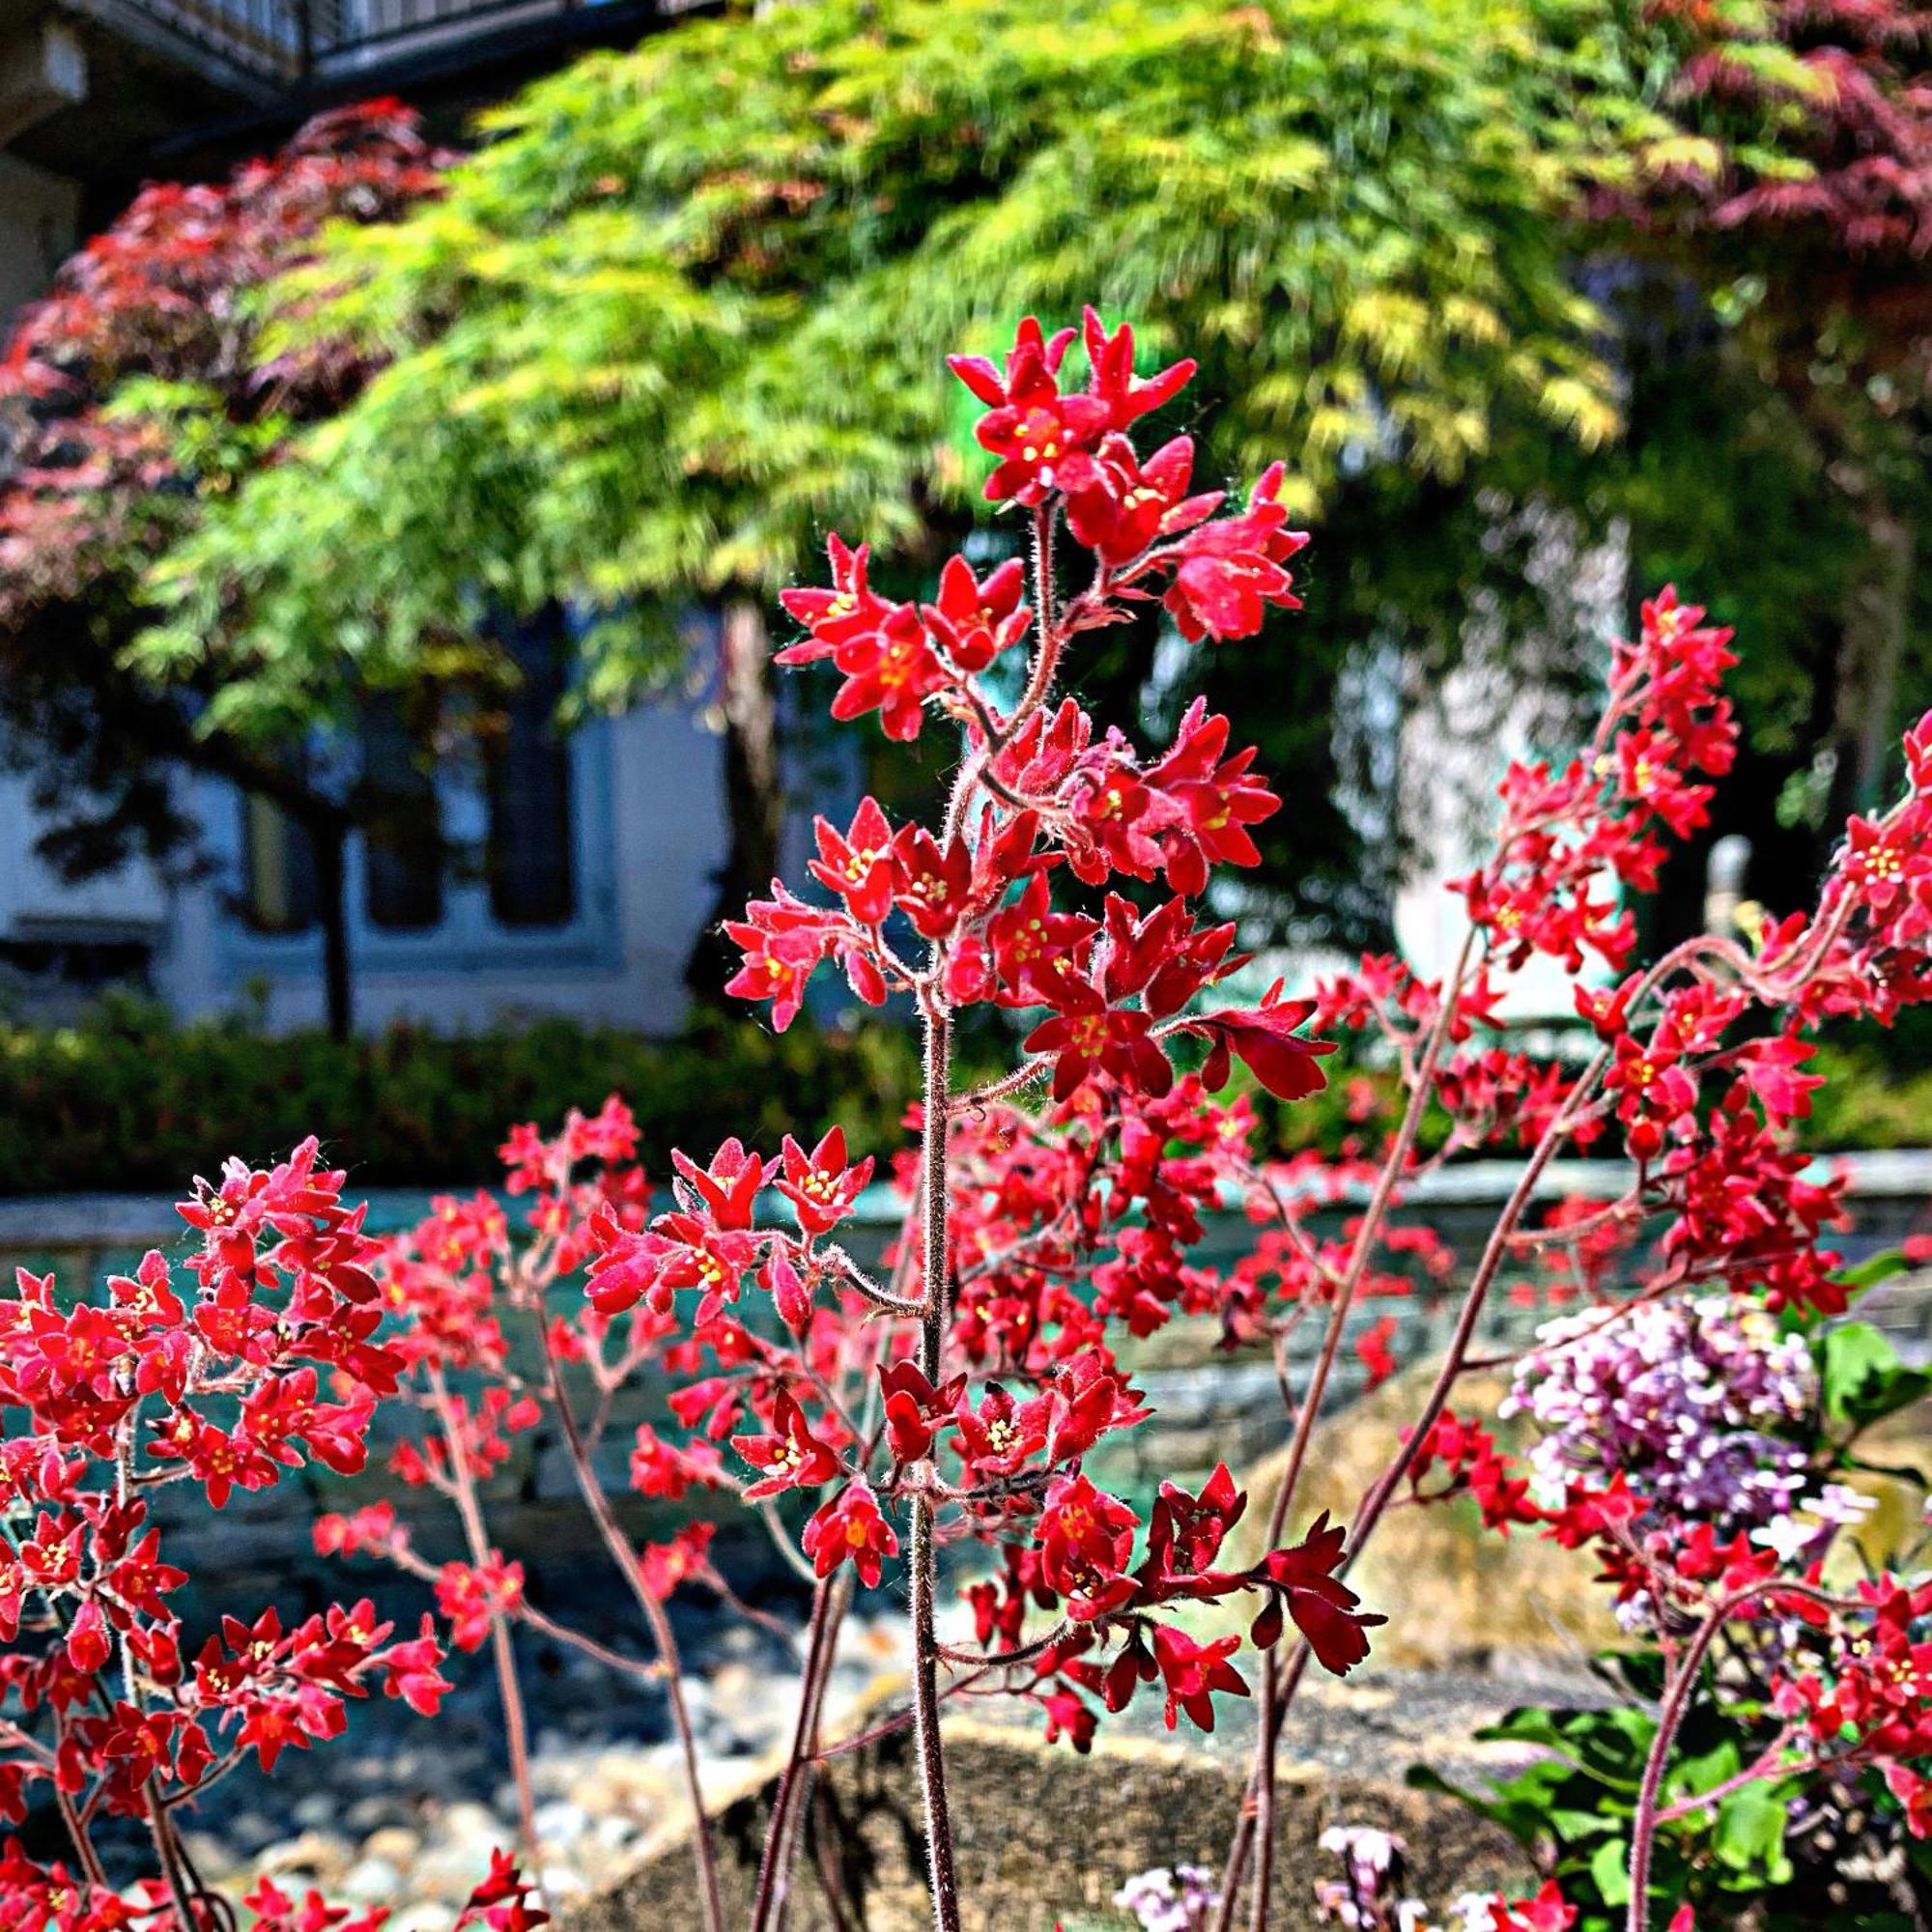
pixel 1609 1869
pixel 1749 1835
pixel 1873 1269
pixel 1862 1378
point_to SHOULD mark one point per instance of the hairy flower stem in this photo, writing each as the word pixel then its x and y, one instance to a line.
pixel 703 1852
pixel 921 1555
pixel 502 1646
pixel 83 1846
pixel 1643 1825
pixel 1369 1514
pixel 1671 1718
pixel 829 1605
pixel 1258 1817
pixel 180 1890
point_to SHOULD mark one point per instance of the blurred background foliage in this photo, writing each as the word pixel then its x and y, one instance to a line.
pixel 1513 286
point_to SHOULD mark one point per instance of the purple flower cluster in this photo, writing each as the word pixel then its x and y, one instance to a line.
pixel 1365 1899
pixel 1695 1402
pixel 1181 1900
pixel 1369 1896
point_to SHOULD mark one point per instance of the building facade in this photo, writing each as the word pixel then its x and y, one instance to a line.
pixel 556 874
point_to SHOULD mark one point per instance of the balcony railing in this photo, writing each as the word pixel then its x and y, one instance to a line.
pixel 288 42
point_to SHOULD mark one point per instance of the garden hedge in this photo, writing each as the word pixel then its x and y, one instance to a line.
pixel 128 1099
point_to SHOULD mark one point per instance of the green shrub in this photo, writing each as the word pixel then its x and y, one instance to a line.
pixel 129 1098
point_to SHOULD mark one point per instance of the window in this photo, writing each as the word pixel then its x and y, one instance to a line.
pixel 402 835
pixel 531 863
pixel 278 866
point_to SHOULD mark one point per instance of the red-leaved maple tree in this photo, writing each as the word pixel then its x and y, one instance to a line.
pixel 137 387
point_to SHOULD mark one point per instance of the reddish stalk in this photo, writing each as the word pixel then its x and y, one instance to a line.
pixel 1258 1822
pixel 942 1872
pixel 703 1852
pixel 795 1781
pixel 502 1646
pixel 83 1846
pixel 1670 1720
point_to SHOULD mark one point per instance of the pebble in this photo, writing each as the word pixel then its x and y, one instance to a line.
pixel 562 1823
pixel 319 1857
pixel 371 1881
pixel 431 1803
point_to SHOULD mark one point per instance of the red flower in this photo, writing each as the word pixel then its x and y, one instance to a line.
pixel 1186 1532
pixel 1001 1436
pixel 790 1455
pixel 1031 426
pixel 858 865
pixel 666 1566
pixel 472 1597
pixel 850 1529
pixel 881 647
pixel 1086 1540
pixel 1232 570
pixel 1207 802
pixel 851 609
pixel 1269 1041
pixel 973 621
pixel 658 1469
pixel 933 886
pixel 1883 861
pixel 822 1186
pixel 782 940
pixel 725 1191
pixel 1110 360
pixel 915 1410
pixel 505 1901
pixel 1126 506
pixel 409 1672
pixel 1087 1036
pixel 1193 1672
pixel 1322 1608
pixel 1372 1349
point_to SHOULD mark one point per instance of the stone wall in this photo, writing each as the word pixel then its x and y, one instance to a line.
pixel 1044 1834
pixel 1207 1406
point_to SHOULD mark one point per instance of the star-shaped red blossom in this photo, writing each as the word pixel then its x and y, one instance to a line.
pixel 790 1455
pixel 1884 861
pixel 850 1529
pixel 851 609
pixel 915 1412
pixel 1086 1035
pixel 859 864
pixel 1324 1610
pixel 1193 1672
pixel 1267 1040
pixel 723 1191
pixel 1186 1532
pixel 1230 570
pixel 1207 802
pixel 822 1185
pixel 1110 359
pixel 973 621
pixel 1126 506
pixel 1034 430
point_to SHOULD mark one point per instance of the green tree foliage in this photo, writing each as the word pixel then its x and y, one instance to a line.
pixel 675 319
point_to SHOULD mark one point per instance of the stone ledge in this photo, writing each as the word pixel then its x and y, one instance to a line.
pixel 1042 1834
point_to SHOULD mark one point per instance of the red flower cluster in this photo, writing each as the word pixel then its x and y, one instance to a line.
pixel 266 1355
pixel 969 1388
pixel 1566 835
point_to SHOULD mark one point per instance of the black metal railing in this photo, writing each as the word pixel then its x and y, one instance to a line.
pixel 292 42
